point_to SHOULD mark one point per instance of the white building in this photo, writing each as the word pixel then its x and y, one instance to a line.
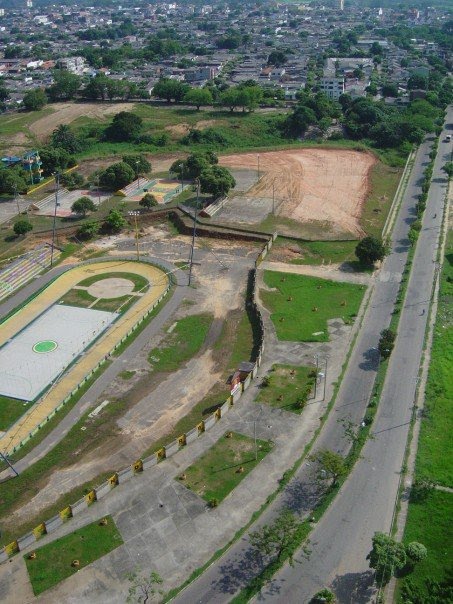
pixel 332 87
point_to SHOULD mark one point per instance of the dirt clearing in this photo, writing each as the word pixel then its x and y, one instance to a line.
pixel 65 113
pixel 323 185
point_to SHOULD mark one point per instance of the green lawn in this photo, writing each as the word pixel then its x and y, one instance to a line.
pixel 430 523
pixel 184 341
pixel 139 282
pixel 10 411
pixel 216 473
pixel 436 444
pixel 300 306
pixel 287 385
pixel 53 562
pixel 384 182
pixel 313 252
pixel 77 297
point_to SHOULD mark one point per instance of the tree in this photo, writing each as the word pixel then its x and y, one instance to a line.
pixel 421 489
pixel 55 159
pixel 416 552
pixel 88 230
pixel 417 81
pixel 170 90
pixel 72 180
pixel 386 343
pixel 125 126
pixel 22 227
pixel 13 180
pixel 115 221
pixel 448 169
pixel 279 539
pixel 299 120
pixel 148 201
pixel 386 557
pixel 143 587
pixel 370 249
pixel 390 90
pixel 217 181
pixel 198 97
pixel 34 100
pixel 277 58
pixel 83 205
pixel 116 176
pixel 65 86
pixel 324 596
pixel 194 165
pixel 65 138
pixel 138 163
pixel 331 466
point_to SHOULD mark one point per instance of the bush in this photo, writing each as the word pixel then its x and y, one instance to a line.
pixel 22 227
pixel 72 180
pixel 417 552
pixel 324 596
pixel 88 230
pixel 148 201
pixel 386 343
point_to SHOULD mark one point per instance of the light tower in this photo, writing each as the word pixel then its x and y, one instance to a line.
pixel 341 4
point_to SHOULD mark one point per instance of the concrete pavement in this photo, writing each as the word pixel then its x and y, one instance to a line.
pixel 366 502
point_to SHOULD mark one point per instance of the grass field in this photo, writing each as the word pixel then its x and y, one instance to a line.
pixel 288 385
pixel 10 411
pixel 430 521
pixel 435 444
pixel 216 473
pixel 313 252
pixel 53 562
pixel 179 346
pixel 300 306
pixel 383 185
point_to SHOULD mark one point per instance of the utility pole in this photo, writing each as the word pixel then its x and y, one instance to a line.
pixel 325 380
pixel 194 232
pixel 137 247
pixel 182 177
pixel 138 174
pixel 273 197
pixel 6 460
pixel 317 371
pixel 57 186
pixel 258 158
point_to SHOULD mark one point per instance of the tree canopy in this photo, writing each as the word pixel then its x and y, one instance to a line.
pixel 116 176
pixel 35 99
pixel 216 180
pixel 370 249
pixel 125 126
pixel 387 556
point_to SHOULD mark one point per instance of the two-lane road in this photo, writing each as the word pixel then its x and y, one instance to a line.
pixel 342 538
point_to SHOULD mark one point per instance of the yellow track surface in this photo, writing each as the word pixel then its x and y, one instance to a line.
pixel 50 401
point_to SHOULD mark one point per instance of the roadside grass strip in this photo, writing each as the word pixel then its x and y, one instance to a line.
pixel 300 306
pixel 429 522
pixel 58 560
pixel 216 473
pixel 288 387
pixel 181 344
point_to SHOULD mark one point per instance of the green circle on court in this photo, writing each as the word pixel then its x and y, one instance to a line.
pixel 45 346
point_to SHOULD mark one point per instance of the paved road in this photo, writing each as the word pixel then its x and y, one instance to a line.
pixel 233 570
pixel 342 538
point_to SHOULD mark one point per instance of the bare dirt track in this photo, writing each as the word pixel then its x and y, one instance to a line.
pixel 65 113
pixel 328 185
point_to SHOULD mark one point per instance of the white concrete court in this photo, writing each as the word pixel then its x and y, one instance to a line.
pixel 62 333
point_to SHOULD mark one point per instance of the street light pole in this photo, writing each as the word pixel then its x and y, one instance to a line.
pixel 194 232
pixel 273 197
pixel 325 380
pixel 182 176
pixel 137 247
pixel 258 158
pixel 138 174
pixel 57 185
pixel 317 371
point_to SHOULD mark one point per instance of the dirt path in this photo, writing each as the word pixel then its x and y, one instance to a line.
pixel 327 185
pixel 65 113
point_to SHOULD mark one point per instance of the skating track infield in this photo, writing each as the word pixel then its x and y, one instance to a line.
pixel 46 342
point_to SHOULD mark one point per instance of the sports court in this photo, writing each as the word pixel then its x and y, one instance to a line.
pixel 30 361
pixel 162 189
